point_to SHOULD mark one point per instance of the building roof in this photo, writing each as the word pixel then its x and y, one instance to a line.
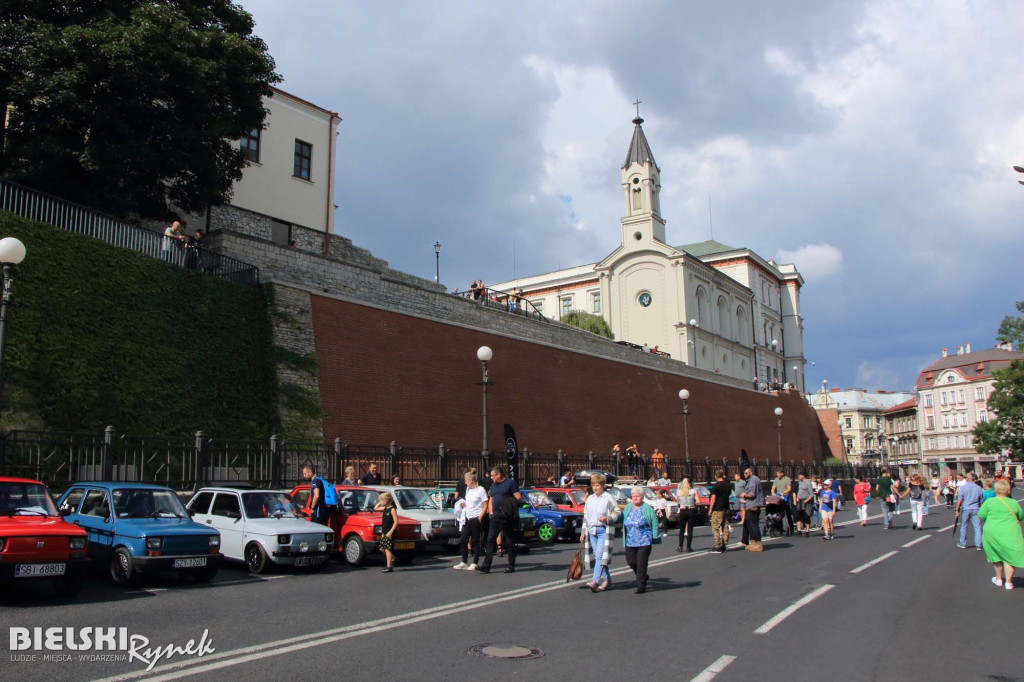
pixel 971 366
pixel 705 248
pixel 639 151
pixel 857 399
pixel 906 405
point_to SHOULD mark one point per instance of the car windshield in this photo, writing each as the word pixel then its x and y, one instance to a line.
pixel 25 499
pixel 412 498
pixel 579 496
pixel 269 506
pixel 621 496
pixel 137 503
pixel 540 499
pixel 358 500
pixel 558 497
pixel 649 494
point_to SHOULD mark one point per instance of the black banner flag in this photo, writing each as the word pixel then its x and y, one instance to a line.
pixel 512 454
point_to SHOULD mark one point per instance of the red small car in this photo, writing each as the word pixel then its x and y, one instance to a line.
pixel 35 542
pixel 567 499
pixel 357 527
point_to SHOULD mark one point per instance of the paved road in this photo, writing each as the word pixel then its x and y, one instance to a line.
pixel 803 609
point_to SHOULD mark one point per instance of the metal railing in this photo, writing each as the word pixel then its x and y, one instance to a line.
pixel 190 462
pixel 504 301
pixel 67 215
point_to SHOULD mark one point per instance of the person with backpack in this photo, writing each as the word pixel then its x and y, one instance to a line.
pixel 322 495
pixel 503 508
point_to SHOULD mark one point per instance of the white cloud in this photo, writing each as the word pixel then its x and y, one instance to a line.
pixel 873 376
pixel 815 262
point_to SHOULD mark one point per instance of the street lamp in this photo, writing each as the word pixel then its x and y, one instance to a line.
pixel 484 355
pixel 437 262
pixel 12 252
pixel 892 452
pixel 796 378
pixel 778 416
pixel 691 342
pixel 684 395
pixel 842 443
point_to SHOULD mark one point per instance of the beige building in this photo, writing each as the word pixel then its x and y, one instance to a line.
pixel 952 397
pixel 901 442
pixel 718 308
pixel 856 418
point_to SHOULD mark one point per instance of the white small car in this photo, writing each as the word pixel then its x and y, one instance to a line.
pixel 262 528
pixel 439 529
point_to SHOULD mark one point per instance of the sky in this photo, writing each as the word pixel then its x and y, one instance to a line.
pixel 869 143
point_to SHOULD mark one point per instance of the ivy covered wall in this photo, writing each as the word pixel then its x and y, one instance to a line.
pixel 101 335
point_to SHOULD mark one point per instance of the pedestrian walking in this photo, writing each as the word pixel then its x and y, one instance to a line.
pixel 828 502
pixel 738 484
pixel 883 488
pixel 640 530
pixel 686 496
pixel 388 526
pixel 503 508
pixel 917 493
pixel 804 504
pixel 471 504
pixel 968 503
pixel 719 506
pixel 986 490
pixel 754 499
pixel 949 490
pixel 935 488
pixel 599 515
pixel 783 487
pixel 1004 544
pixel 861 497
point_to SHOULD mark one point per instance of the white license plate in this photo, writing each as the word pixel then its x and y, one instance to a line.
pixel 453 541
pixel 35 570
pixel 189 563
pixel 310 560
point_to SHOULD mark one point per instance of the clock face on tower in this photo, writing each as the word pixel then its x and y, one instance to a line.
pixel 644 299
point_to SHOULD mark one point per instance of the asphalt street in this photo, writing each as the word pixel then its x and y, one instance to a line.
pixel 871 605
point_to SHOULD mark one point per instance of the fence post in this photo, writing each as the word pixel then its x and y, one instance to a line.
pixel 108 453
pixel 590 459
pixel 275 462
pixel 442 461
pixel 200 469
pixel 559 458
pixel 707 470
pixel 524 467
pixel 394 458
pixel 338 453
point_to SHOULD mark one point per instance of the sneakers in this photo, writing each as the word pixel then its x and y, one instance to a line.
pixel 997 582
pixel 603 586
pixel 961 546
pixel 979 548
pixel 462 565
pixel 471 567
pixel 388 570
pixel 1008 585
pixel 592 585
pixel 755 547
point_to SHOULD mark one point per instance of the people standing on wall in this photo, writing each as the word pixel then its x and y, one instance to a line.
pixel 616 459
pixel 372 476
pixel 172 240
pixel 193 250
pixel 657 462
pixel 754 497
pixel 632 459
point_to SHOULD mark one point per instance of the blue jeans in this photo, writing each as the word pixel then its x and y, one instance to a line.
pixel 597 538
pixel 972 516
pixel 887 512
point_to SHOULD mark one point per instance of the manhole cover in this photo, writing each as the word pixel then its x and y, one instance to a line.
pixel 514 651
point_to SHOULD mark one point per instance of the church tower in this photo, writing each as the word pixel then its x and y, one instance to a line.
pixel 641 184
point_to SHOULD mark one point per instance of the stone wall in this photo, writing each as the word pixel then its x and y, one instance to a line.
pixel 297 368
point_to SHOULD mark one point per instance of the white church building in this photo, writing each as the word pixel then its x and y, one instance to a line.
pixel 715 307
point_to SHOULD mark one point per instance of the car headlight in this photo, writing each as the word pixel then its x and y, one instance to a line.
pixel 435 524
pixel 214 541
pixel 322 546
pixel 303 546
pixel 74 543
pixel 154 543
pixel 329 538
pixel 377 530
pixel 284 539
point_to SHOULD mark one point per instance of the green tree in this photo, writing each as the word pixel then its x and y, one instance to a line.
pixel 594 324
pixel 1006 431
pixel 128 104
pixel 1012 329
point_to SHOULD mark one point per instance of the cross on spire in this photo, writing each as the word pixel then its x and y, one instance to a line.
pixel 637 104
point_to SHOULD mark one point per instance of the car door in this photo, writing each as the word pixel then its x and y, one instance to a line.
pixel 95 517
pixel 226 516
pixel 199 507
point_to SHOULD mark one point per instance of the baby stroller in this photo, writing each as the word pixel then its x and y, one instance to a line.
pixel 774 512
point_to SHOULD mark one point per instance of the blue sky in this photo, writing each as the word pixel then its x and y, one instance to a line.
pixel 870 143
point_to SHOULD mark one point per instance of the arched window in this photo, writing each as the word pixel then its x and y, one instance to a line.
pixel 723 318
pixel 702 308
pixel 741 323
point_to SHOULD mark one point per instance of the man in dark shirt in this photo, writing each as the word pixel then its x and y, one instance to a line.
pixel 316 494
pixel 371 477
pixel 719 505
pixel 503 490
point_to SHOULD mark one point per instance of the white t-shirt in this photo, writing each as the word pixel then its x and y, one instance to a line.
pixel 475 500
pixel 596 507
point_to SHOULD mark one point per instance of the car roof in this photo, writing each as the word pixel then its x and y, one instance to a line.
pixel 118 484
pixel 15 479
pixel 232 489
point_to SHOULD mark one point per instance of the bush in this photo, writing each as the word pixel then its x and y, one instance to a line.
pixel 594 324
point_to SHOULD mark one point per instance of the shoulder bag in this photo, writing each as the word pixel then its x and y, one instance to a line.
pixel 576 565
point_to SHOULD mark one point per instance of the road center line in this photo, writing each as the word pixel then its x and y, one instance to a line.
pixel 874 562
pixel 914 542
pixel 791 609
pixel 943 530
pixel 712 670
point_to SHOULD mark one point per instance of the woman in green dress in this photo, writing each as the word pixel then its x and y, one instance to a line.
pixel 1003 542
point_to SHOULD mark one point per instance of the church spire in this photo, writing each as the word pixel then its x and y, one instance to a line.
pixel 641 185
pixel 639 151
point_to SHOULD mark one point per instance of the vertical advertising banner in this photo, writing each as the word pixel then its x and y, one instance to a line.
pixel 512 454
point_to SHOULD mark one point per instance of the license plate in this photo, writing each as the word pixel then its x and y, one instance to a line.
pixel 453 541
pixel 529 533
pixel 405 545
pixel 310 560
pixel 34 570
pixel 189 563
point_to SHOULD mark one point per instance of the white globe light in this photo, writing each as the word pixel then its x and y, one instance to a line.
pixel 12 251
pixel 693 323
pixel 774 343
pixel 484 354
pixel 684 394
pixel 839 422
pixel 778 411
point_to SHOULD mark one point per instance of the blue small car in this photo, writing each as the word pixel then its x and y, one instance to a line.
pixel 552 523
pixel 138 528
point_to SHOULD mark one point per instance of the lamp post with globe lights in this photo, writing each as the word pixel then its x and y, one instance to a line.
pixel 778 417
pixel 484 355
pixel 842 443
pixel 12 252
pixel 437 262
pixel 692 340
pixel 684 395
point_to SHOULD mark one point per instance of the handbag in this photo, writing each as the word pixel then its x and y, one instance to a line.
pixel 576 565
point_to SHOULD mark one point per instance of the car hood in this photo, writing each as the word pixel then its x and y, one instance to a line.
pixel 284 527
pixel 556 512
pixel 22 526
pixel 425 515
pixel 143 527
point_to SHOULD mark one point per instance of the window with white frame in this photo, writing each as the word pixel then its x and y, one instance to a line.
pixel 982 416
pixel 849 422
pixel 539 305
pixel 931 422
pixel 565 305
pixel 944 400
pixel 979 392
pixel 595 302
pixel 950 379
pixel 960 396
pixel 945 421
pixel 963 419
pixel 927 399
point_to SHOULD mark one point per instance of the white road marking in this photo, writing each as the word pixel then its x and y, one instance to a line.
pixel 914 542
pixel 712 670
pixel 943 530
pixel 791 609
pixel 874 562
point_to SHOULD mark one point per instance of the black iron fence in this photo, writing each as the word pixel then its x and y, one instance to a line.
pixel 186 463
pixel 504 301
pixel 46 208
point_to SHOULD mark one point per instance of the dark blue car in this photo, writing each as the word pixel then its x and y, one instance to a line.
pixel 137 528
pixel 552 523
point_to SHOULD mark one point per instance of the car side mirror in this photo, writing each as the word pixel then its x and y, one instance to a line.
pixel 66 511
pixel 234 515
pixel 191 512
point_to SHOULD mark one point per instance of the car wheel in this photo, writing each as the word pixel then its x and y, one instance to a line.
pixel 546 533
pixel 405 557
pixel 204 575
pixel 256 559
pixel 121 572
pixel 354 552
pixel 68 587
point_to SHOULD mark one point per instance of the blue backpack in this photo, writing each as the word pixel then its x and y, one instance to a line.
pixel 330 492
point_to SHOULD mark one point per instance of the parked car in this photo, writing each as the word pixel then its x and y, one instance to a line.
pixel 672 508
pixel 552 523
pixel 358 528
pixel 36 543
pixel 650 496
pixel 138 528
pixel 262 528
pixel 567 499
pixel 439 529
